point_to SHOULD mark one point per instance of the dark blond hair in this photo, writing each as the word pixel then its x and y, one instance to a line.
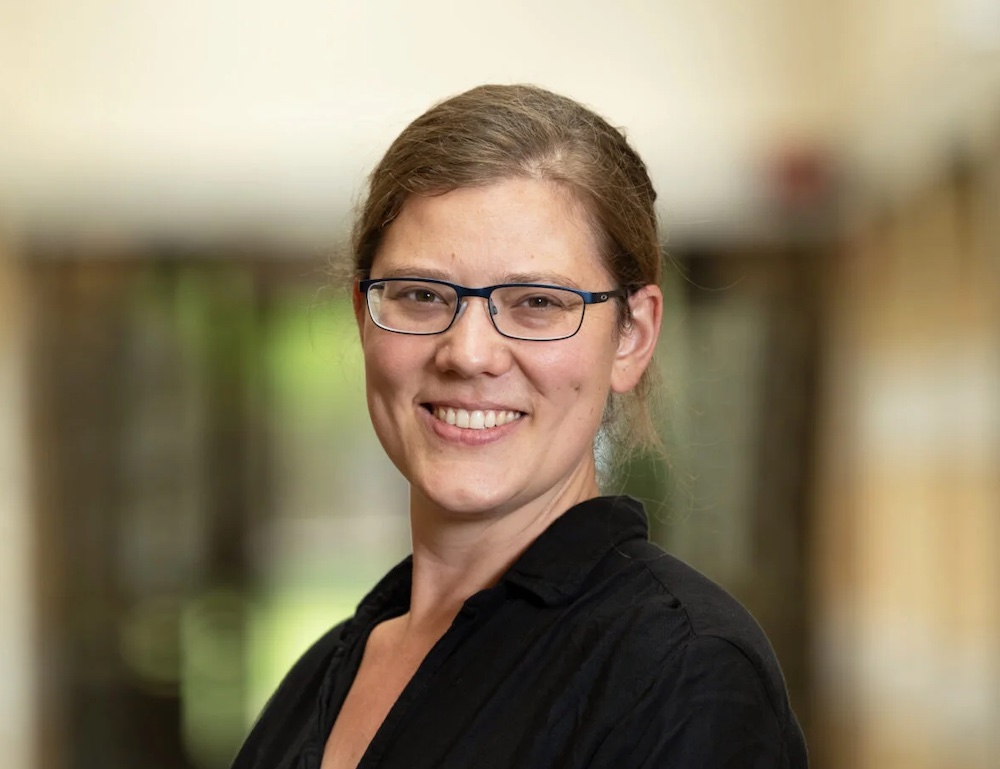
pixel 497 132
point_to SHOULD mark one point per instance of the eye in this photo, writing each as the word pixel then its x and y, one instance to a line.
pixel 421 295
pixel 416 293
pixel 540 301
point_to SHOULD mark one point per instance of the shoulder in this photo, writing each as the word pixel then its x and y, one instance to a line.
pixel 697 655
pixel 315 660
pixel 711 618
pixel 690 626
pixel 710 707
pixel 289 710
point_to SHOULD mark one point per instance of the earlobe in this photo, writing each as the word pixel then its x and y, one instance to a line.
pixel 638 342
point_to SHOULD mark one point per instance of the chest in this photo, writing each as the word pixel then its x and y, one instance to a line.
pixel 509 684
pixel 491 693
pixel 383 675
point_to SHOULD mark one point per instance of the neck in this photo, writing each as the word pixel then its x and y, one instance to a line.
pixel 457 554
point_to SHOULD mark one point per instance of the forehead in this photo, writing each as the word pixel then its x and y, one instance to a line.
pixel 516 227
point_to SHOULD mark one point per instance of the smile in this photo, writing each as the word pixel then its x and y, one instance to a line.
pixel 475 420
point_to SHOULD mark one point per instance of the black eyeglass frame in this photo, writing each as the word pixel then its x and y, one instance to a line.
pixel 462 292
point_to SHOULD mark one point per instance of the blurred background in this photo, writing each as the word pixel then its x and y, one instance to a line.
pixel 190 490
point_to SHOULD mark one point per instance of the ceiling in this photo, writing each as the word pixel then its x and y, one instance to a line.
pixel 192 118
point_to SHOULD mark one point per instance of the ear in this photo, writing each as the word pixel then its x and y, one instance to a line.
pixel 637 343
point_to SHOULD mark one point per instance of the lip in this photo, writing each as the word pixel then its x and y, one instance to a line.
pixel 463 436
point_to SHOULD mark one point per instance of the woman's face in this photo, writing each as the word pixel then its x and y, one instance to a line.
pixel 544 400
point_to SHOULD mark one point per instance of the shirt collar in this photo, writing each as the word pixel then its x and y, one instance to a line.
pixel 554 567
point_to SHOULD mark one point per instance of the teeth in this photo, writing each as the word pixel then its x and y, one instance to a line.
pixel 475 420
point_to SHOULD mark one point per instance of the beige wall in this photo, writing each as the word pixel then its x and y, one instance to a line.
pixel 17 652
pixel 917 82
pixel 908 534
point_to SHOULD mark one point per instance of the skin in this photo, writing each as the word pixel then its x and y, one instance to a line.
pixel 479 498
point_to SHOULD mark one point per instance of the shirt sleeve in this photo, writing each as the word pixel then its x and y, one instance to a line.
pixel 708 708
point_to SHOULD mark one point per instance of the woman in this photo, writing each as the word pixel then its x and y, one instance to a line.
pixel 507 262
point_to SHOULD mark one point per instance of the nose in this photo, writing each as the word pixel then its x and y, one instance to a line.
pixel 472 345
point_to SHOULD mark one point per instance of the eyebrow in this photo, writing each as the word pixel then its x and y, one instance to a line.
pixel 409 271
pixel 541 277
pixel 549 278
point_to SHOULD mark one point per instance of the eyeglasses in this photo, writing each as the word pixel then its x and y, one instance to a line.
pixel 530 311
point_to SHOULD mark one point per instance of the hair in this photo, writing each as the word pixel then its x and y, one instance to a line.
pixel 497 132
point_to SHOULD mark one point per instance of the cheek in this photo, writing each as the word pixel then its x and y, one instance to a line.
pixel 389 365
pixel 577 376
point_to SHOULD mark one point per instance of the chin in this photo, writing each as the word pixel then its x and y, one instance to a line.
pixel 468 497
pixel 470 502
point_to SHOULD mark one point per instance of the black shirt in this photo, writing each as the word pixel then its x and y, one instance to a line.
pixel 596 649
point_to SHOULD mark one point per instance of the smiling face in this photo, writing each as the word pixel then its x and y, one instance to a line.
pixel 480 424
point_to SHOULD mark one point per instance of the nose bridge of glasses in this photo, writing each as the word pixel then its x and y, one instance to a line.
pixel 482 293
pixel 491 309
